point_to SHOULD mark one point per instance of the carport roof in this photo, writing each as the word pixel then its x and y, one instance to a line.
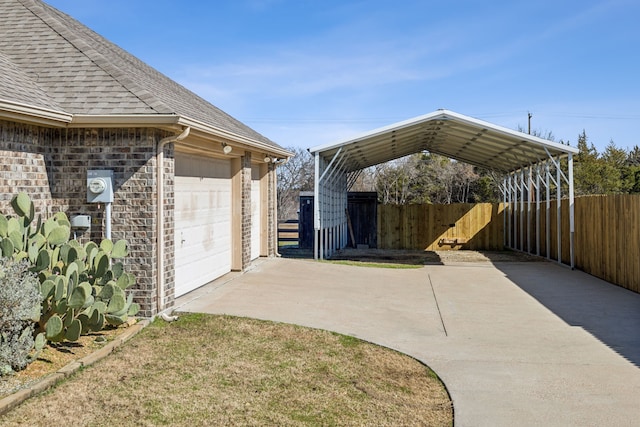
pixel 447 133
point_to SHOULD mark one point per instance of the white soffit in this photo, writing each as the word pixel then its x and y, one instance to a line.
pixel 449 134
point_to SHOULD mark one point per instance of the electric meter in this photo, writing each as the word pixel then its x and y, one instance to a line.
pixel 97 185
pixel 100 186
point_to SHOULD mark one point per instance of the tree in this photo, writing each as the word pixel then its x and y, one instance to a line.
pixel 449 180
pixel 365 180
pixel 394 180
pixel 633 158
pixel 425 178
pixel 586 168
pixel 612 172
pixel 294 176
pixel 633 170
pixel 486 189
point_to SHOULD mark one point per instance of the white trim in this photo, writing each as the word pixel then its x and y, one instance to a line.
pixel 41 115
pixel 118 120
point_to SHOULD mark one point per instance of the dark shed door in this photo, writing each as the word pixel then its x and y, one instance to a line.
pixel 305 221
pixel 363 212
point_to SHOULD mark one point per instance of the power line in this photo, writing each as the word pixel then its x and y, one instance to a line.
pixel 394 119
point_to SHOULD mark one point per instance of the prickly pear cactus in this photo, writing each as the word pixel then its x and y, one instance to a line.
pixel 82 286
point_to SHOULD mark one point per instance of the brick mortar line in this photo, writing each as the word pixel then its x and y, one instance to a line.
pixel 15 399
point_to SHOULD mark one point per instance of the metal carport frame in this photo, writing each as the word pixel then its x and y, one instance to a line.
pixel 527 163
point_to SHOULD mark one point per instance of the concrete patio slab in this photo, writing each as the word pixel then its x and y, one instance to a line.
pixel 515 343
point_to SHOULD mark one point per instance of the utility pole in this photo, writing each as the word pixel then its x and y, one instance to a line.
pixel 529 115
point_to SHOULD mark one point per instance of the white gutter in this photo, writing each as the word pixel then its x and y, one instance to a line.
pixel 40 115
pixel 160 213
pixel 172 121
pixel 118 120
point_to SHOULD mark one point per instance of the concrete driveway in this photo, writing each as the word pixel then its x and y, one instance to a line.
pixel 516 344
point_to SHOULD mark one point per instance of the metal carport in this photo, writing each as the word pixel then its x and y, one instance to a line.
pixel 528 163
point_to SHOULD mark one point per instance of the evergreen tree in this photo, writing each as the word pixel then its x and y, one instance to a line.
pixel 586 170
pixel 633 170
pixel 613 170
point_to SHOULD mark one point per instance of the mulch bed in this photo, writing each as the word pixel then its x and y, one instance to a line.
pixel 56 356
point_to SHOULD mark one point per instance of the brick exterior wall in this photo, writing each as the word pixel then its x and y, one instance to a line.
pixel 169 227
pixel 246 209
pixel 51 166
pixel 130 153
pixel 23 165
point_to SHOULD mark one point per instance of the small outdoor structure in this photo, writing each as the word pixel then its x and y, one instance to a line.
pixel 361 219
pixel 531 167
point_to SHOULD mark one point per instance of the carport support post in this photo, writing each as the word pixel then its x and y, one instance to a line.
pixel 571 212
pixel 522 195
pixel 548 211
pixel 529 185
pixel 538 210
pixel 504 212
pixel 559 209
pixel 514 211
pixel 316 210
pixel 509 211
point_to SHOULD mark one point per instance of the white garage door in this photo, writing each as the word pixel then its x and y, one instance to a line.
pixel 202 221
pixel 256 227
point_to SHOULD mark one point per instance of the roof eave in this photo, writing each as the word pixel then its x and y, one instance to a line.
pixel 32 114
pixel 217 133
pixel 176 123
pixel 124 120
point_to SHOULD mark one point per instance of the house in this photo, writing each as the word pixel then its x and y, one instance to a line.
pixel 194 190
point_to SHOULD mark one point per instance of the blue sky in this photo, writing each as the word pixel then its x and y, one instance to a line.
pixel 310 72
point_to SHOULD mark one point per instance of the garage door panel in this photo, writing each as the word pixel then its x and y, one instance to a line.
pixel 202 223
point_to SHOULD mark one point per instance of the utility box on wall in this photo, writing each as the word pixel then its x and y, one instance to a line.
pixel 80 222
pixel 99 186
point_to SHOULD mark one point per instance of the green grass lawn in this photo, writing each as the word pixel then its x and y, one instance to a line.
pixel 205 370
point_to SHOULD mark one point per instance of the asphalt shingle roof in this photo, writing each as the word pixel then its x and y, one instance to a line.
pixel 49 59
pixel 19 87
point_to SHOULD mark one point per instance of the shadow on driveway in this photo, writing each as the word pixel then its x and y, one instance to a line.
pixel 608 312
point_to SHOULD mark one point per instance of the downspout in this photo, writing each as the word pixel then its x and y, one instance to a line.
pixel 160 214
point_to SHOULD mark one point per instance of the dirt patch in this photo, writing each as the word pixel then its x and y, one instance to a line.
pixel 54 357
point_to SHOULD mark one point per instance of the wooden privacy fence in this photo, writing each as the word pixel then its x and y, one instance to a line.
pixel 606 241
pixel 441 227
pixel 608 238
